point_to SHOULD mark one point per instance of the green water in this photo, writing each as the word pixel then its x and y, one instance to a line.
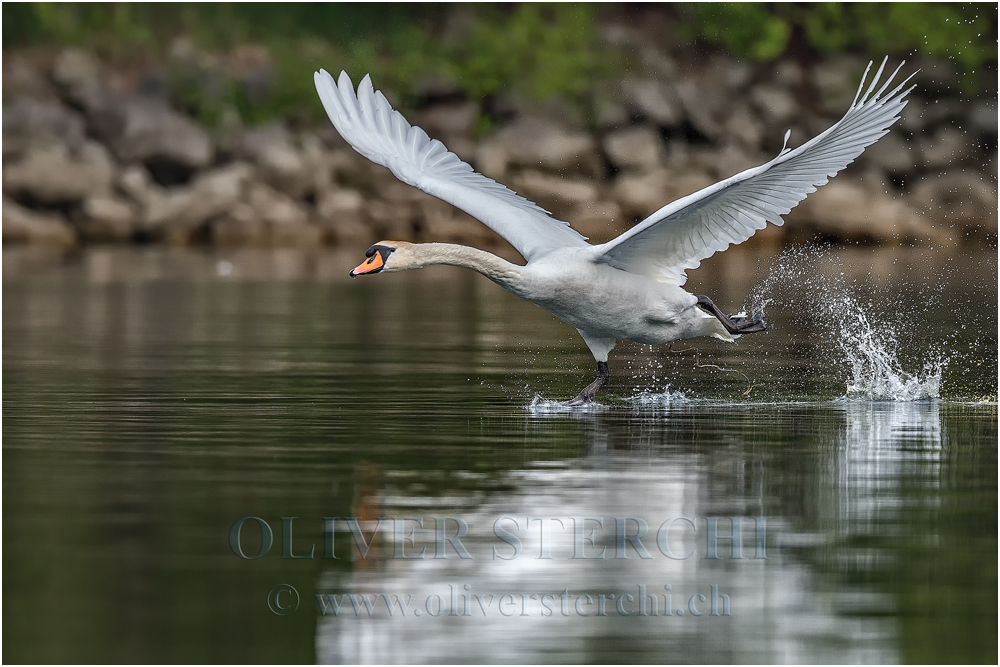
pixel 152 398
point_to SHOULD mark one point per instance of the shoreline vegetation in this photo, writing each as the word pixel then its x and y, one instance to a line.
pixel 199 125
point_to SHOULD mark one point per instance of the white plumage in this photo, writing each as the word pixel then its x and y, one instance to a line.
pixel 630 286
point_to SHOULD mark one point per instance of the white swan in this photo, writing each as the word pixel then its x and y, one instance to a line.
pixel 628 288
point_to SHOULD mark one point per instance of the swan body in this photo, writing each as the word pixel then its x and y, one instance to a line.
pixel 630 287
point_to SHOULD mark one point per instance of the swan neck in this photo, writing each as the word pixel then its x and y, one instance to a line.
pixel 498 270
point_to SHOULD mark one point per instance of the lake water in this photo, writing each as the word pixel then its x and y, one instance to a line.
pixel 154 397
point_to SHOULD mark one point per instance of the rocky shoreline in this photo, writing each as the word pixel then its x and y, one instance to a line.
pixel 93 157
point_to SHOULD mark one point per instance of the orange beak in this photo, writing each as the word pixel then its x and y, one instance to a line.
pixel 372 264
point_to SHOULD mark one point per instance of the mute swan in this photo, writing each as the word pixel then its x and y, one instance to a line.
pixel 628 288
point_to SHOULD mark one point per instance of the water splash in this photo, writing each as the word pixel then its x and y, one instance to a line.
pixel 812 280
pixel 648 399
pixel 877 375
pixel 547 406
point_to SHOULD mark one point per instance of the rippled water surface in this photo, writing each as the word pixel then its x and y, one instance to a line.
pixel 153 398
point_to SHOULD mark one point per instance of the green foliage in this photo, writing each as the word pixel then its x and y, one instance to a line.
pixel 537 51
pixel 753 30
pixel 963 33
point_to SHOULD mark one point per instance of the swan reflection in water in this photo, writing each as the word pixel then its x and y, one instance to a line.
pixel 845 482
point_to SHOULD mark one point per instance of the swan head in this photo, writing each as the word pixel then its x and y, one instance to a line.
pixel 387 256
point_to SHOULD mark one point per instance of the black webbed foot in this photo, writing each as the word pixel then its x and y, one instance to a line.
pixel 736 325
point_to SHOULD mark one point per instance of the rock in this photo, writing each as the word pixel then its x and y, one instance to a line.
pixel 775 103
pixel 982 117
pixel 912 118
pixel 491 160
pixel 148 131
pixel 29 124
pixel 599 221
pixel 537 143
pixel 852 211
pixel 732 159
pixel 21 225
pixel 837 80
pixel 176 213
pixel 656 61
pixel 319 168
pixel 54 175
pixel 394 221
pixel 941 110
pixel 893 154
pixel 240 226
pixel 268 217
pixel 284 216
pixel 464 148
pixel 731 73
pixel 958 197
pixel 638 148
pixel 23 76
pixel 443 121
pixel 341 215
pixel 788 73
pixel 705 104
pixel 610 114
pixel 440 221
pixel 744 125
pixel 79 77
pixel 136 182
pixel 946 147
pixel 654 100
pixel 435 87
pixel 223 185
pixel 107 218
pixel 640 195
pixel 554 193
pixel 281 164
pixel 393 190
pixel 167 215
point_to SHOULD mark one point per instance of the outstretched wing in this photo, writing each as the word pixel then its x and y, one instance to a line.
pixel 684 232
pixel 381 134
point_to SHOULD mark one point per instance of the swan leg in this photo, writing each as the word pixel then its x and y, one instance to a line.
pixel 588 393
pixel 734 325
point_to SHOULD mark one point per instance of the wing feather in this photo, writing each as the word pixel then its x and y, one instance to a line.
pixel 374 129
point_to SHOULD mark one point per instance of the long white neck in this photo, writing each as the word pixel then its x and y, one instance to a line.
pixel 507 275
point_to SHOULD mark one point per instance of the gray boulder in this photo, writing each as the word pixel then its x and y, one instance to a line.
pixel 945 147
pixel 79 78
pixel 279 162
pixel 147 130
pixel 175 213
pixel 893 154
pixel 541 144
pixel 29 124
pixel 267 217
pixel 638 148
pixel 54 175
pixel 555 193
pixel 21 225
pixel 341 215
pixel 654 100
pixel 107 218
pixel 775 103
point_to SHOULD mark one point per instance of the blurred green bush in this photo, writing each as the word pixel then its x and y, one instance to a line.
pixel 537 51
